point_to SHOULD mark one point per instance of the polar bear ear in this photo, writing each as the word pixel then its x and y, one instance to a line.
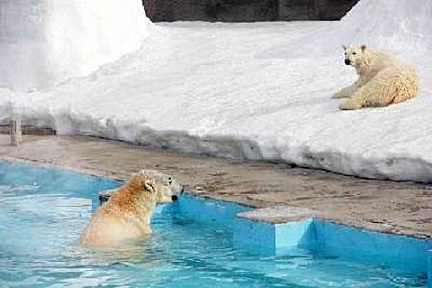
pixel 148 185
pixel 363 47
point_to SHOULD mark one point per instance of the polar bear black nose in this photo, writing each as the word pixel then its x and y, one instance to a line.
pixel 174 198
pixel 347 62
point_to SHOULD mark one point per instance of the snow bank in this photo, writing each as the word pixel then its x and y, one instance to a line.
pixel 236 90
pixel 400 27
pixel 48 41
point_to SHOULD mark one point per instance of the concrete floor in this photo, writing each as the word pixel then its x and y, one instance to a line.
pixel 392 207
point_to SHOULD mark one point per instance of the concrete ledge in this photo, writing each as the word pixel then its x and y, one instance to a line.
pixel 278 214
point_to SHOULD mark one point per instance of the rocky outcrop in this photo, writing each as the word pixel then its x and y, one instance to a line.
pixel 314 9
pixel 246 10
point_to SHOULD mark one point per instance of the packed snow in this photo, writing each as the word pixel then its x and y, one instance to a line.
pixel 258 91
pixel 46 42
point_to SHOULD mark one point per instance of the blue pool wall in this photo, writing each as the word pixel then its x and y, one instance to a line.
pixel 407 253
pixel 331 239
pixel 273 239
pixel 402 252
pixel 397 251
pixel 429 269
pixel 76 184
pixel 220 214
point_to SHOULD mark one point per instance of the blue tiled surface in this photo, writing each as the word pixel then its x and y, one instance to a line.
pixel 366 246
pixel 429 268
pixel 218 213
pixel 254 236
pixel 410 254
pixel 73 182
pixel 294 234
pixel 407 253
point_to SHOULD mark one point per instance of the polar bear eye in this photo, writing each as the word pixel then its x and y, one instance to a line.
pixel 170 180
pixel 354 53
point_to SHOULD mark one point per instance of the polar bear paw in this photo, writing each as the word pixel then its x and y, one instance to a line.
pixel 340 94
pixel 350 105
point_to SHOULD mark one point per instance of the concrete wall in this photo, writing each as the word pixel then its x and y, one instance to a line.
pixel 246 10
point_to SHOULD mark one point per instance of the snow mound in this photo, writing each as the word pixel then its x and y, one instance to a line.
pixel 45 42
pixel 400 27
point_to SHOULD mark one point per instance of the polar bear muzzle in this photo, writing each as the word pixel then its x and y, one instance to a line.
pixel 175 197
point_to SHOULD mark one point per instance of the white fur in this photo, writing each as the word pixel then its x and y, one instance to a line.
pixel 127 214
pixel 383 79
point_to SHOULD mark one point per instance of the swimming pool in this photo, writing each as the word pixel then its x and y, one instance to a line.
pixel 43 211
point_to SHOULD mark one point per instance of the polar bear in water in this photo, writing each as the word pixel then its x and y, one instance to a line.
pixel 127 214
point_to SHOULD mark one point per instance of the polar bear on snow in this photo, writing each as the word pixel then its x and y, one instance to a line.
pixel 383 79
pixel 127 213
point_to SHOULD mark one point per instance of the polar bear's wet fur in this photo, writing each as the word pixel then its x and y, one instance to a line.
pixel 127 213
pixel 382 79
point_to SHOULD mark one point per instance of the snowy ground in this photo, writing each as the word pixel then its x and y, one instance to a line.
pixel 257 91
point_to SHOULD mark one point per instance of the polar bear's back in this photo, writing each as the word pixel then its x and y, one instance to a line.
pixel 382 61
pixel 393 84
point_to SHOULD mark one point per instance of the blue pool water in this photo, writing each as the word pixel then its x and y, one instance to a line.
pixel 43 211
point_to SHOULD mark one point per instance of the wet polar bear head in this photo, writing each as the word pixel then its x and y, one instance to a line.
pixel 127 213
pixel 163 186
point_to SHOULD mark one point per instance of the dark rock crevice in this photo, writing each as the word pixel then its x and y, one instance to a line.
pixel 246 10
